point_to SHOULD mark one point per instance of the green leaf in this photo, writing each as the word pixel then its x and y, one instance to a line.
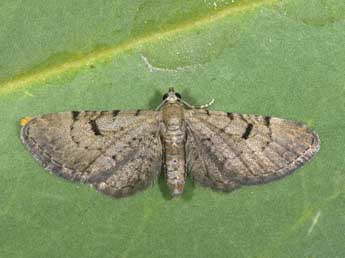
pixel 285 58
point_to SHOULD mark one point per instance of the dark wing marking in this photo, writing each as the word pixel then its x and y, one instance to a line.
pixel 117 152
pixel 226 150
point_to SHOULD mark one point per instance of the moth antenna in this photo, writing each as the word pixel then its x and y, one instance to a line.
pixel 197 107
pixel 160 105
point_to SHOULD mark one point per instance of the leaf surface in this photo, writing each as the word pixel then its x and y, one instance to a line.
pixel 279 58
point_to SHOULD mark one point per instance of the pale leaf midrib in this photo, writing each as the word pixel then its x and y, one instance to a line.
pixel 104 54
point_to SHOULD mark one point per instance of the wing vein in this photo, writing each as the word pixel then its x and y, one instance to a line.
pixel 238 155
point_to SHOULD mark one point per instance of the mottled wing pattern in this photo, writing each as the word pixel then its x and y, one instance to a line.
pixel 117 152
pixel 226 150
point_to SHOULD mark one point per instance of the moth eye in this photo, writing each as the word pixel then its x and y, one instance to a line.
pixel 178 95
pixel 165 96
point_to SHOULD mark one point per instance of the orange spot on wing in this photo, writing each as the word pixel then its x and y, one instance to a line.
pixel 24 120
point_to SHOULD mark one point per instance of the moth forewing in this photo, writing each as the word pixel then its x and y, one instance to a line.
pixel 117 152
pixel 238 149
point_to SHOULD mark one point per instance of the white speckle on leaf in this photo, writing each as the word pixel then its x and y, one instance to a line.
pixel 315 220
pixel 161 69
pixel 28 94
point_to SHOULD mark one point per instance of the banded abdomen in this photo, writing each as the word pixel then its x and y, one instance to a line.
pixel 173 135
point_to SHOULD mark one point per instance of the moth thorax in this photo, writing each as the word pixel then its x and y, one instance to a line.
pixel 172 114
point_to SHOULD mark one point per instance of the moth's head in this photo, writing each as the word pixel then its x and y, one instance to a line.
pixel 171 95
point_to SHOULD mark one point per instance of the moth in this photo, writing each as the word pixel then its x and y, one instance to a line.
pixel 122 152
